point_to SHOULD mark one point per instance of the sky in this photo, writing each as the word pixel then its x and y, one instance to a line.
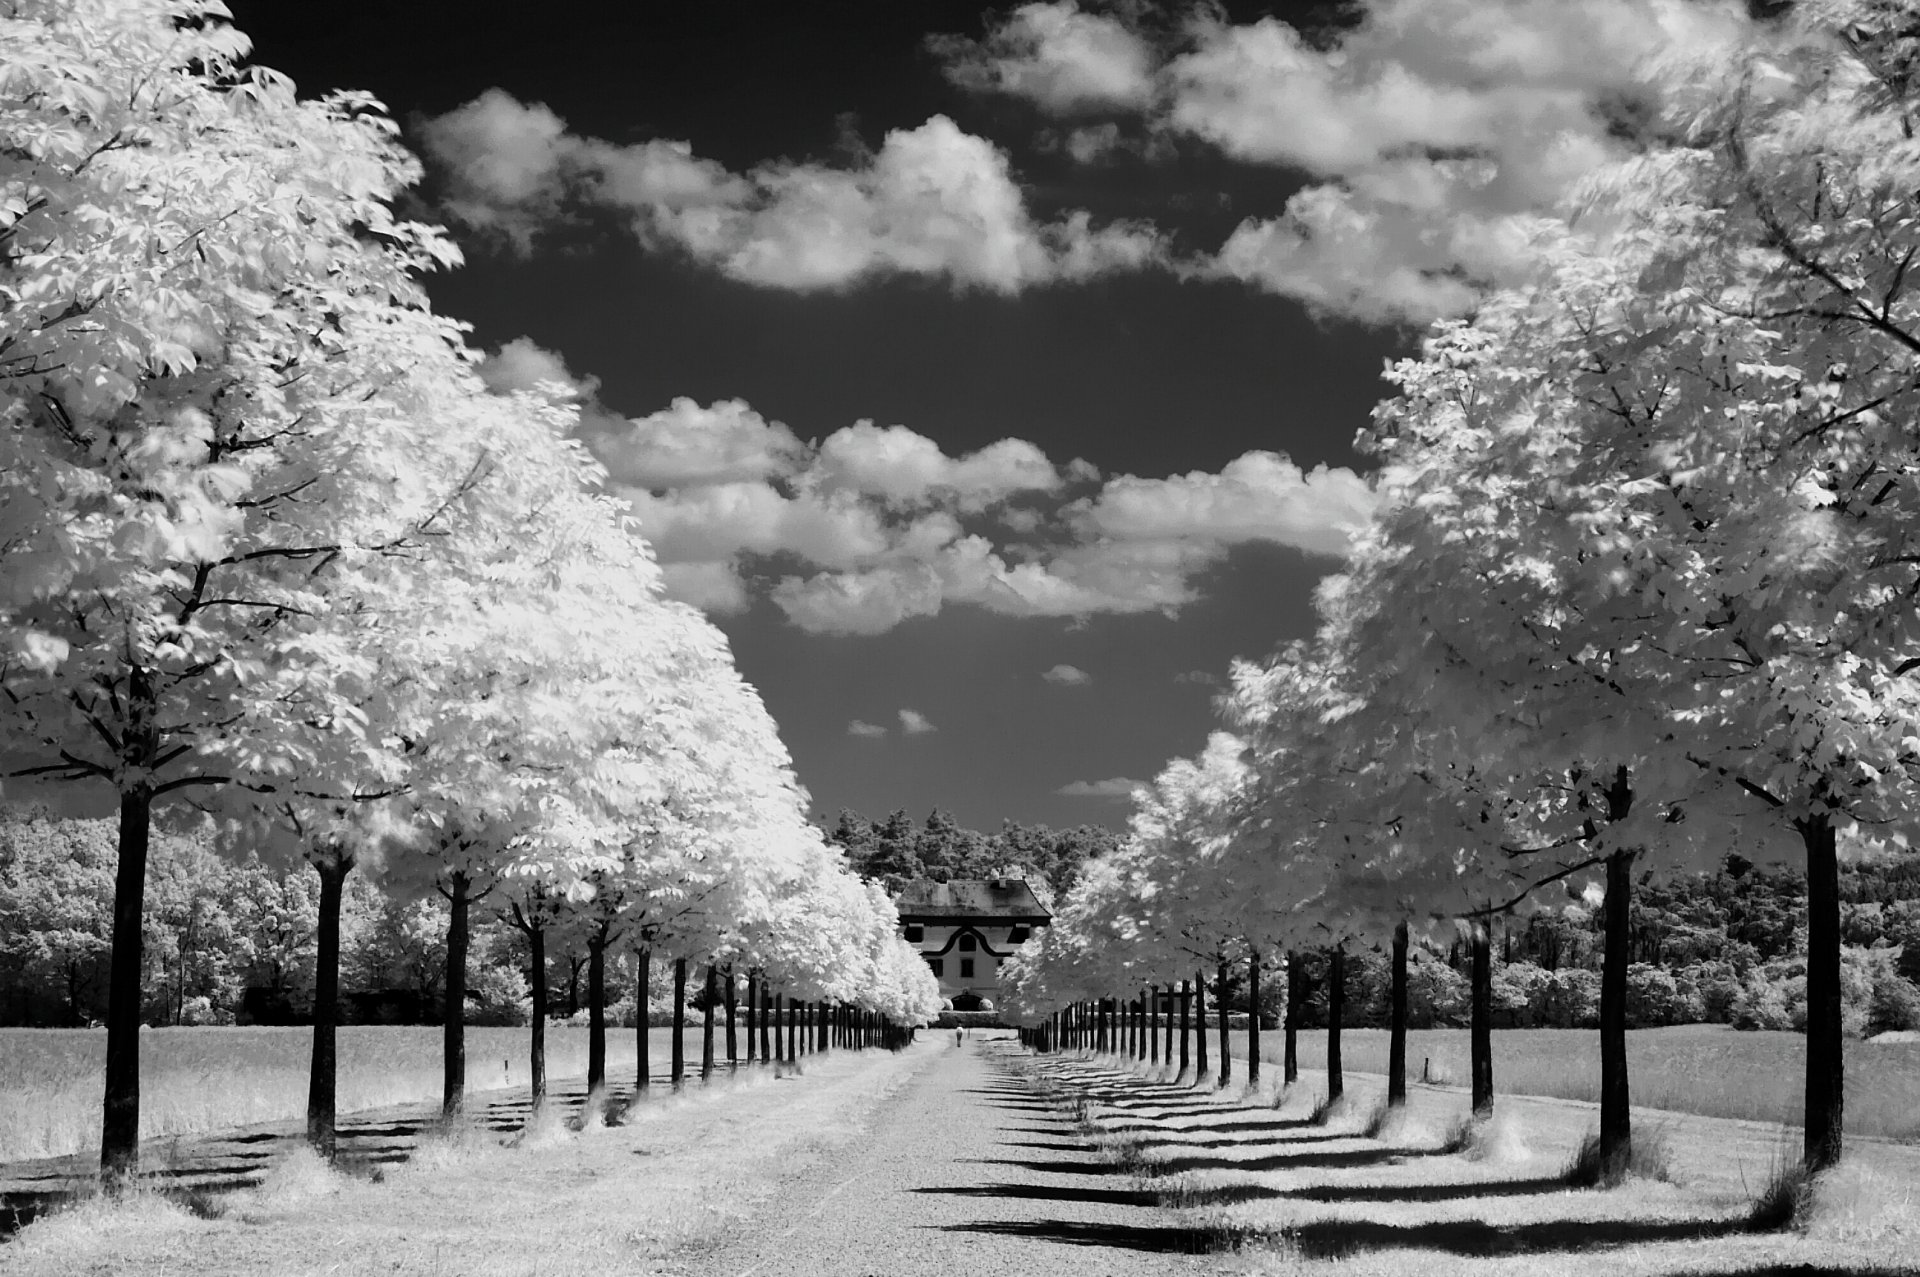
pixel 990 376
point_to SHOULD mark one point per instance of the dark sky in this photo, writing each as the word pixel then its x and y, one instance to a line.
pixel 1143 374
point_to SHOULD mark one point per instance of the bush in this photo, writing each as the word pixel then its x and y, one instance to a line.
pixel 1761 1004
pixel 1568 1000
pixel 1436 993
pixel 1656 998
pixel 1516 986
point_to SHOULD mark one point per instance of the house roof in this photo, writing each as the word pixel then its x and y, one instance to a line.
pixel 1003 899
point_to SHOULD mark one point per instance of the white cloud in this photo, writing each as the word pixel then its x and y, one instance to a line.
pixel 522 365
pixel 914 723
pixel 1057 56
pixel 1435 129
pixel 862 728
pixel 877 525
pixel 1068 676
pixel 1198 677
pixel 1260 496
pixel 1118 789
pixel 932 201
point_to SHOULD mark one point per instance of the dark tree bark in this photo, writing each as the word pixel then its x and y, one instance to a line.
pixel 1253 1017
pixel 1826 1063
pixel 1397 1033
pixel 1187 1026
pixel 537 1035
pixel 733 1008
pixel 453 1037
pixel 1481 1031
pixel 1153 1027
pixel 752 1006
pixel 679 1018
pixel 1336 1008
pixel 1171 1023
pixel 120 1111
pixel 596 1013
pixel 1616 1120
pixel 323 1069
pixel 1296 997
pixel 643 1064
pixel 712 994
pixel 766 1026
pixel 1200 1024
pixel 1226 1034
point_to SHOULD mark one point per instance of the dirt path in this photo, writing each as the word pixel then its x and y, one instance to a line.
pixel 966 1170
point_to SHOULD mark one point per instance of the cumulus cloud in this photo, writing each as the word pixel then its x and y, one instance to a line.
pixel 874 525
pixel 1118 789
pixel 914 723
pixel 1435 131
pixel 932 201
pixel 1068 676
pixel 860 727
pixel 1057 56
pixel 1261 496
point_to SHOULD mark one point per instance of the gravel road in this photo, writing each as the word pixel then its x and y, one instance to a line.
pixel 966 1170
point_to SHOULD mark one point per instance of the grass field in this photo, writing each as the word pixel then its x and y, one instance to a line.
pixel 203 1079
pixel 1706 1069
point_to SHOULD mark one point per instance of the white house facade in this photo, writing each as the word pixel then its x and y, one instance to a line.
pixel 965 929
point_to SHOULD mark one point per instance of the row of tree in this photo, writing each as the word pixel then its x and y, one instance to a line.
pixel 271 552
pixel 894 850
pixel 1640 591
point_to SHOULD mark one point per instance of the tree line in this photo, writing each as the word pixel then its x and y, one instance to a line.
pixel 273 556
pixel 1639 591
pixel 893 850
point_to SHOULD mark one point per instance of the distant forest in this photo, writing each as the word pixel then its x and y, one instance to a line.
pixel 234 939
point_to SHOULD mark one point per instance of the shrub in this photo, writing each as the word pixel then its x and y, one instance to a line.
pixel 1516 986
pixel 1761 1004
pixel 1436 993
pixel 1568 1000
pixel 1655 998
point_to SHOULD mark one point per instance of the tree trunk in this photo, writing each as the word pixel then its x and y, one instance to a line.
pixel 1481 1032
pixel 1826 1063
pixel 596 1014
pixel 766 1027
pixel 643 973
pixel 1226 1034
pixel 1296 995
pixel 1397 1034
pixel 120 1112
pixel 712 994
pixel 1171 1024
pixel 752 1005
pixel 1253 1017
pixel 453 1093
pixel 537 1035
pixel 1153 1027
pixel 1200 1024
pixel 1616 1121
pixel 1186 1025
pixel 1336 1008
pixel 733 1009
pixel 322 1071
pixel 679 1016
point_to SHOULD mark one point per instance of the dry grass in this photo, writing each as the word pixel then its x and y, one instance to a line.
pixel 1704 1068
pixel 1440 1195
pixel 683 1169
pixel 195 1080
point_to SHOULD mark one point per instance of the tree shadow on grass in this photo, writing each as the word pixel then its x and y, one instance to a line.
pixel 1427 1192
pixel 1287 1161
pixel 1047 1168
pixel 1345 1238
pixel 1044 1146
pixel 1049 1193
pixel 1162 1239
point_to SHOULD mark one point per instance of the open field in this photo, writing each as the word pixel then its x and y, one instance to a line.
pixel 195 1080
pixel 1707 1069
pixel 1269 1189
pixel 681 1170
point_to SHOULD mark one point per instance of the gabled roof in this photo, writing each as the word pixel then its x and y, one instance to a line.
pixel 996 899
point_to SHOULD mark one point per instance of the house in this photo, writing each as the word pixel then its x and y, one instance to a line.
pixel 965 929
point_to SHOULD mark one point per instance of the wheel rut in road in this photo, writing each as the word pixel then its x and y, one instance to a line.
pixel 968 1169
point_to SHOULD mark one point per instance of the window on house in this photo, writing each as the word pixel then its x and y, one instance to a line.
pixel 968 944
pixel 916 934
pixel 937 966
pixel 1017 936
pixel 966 968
